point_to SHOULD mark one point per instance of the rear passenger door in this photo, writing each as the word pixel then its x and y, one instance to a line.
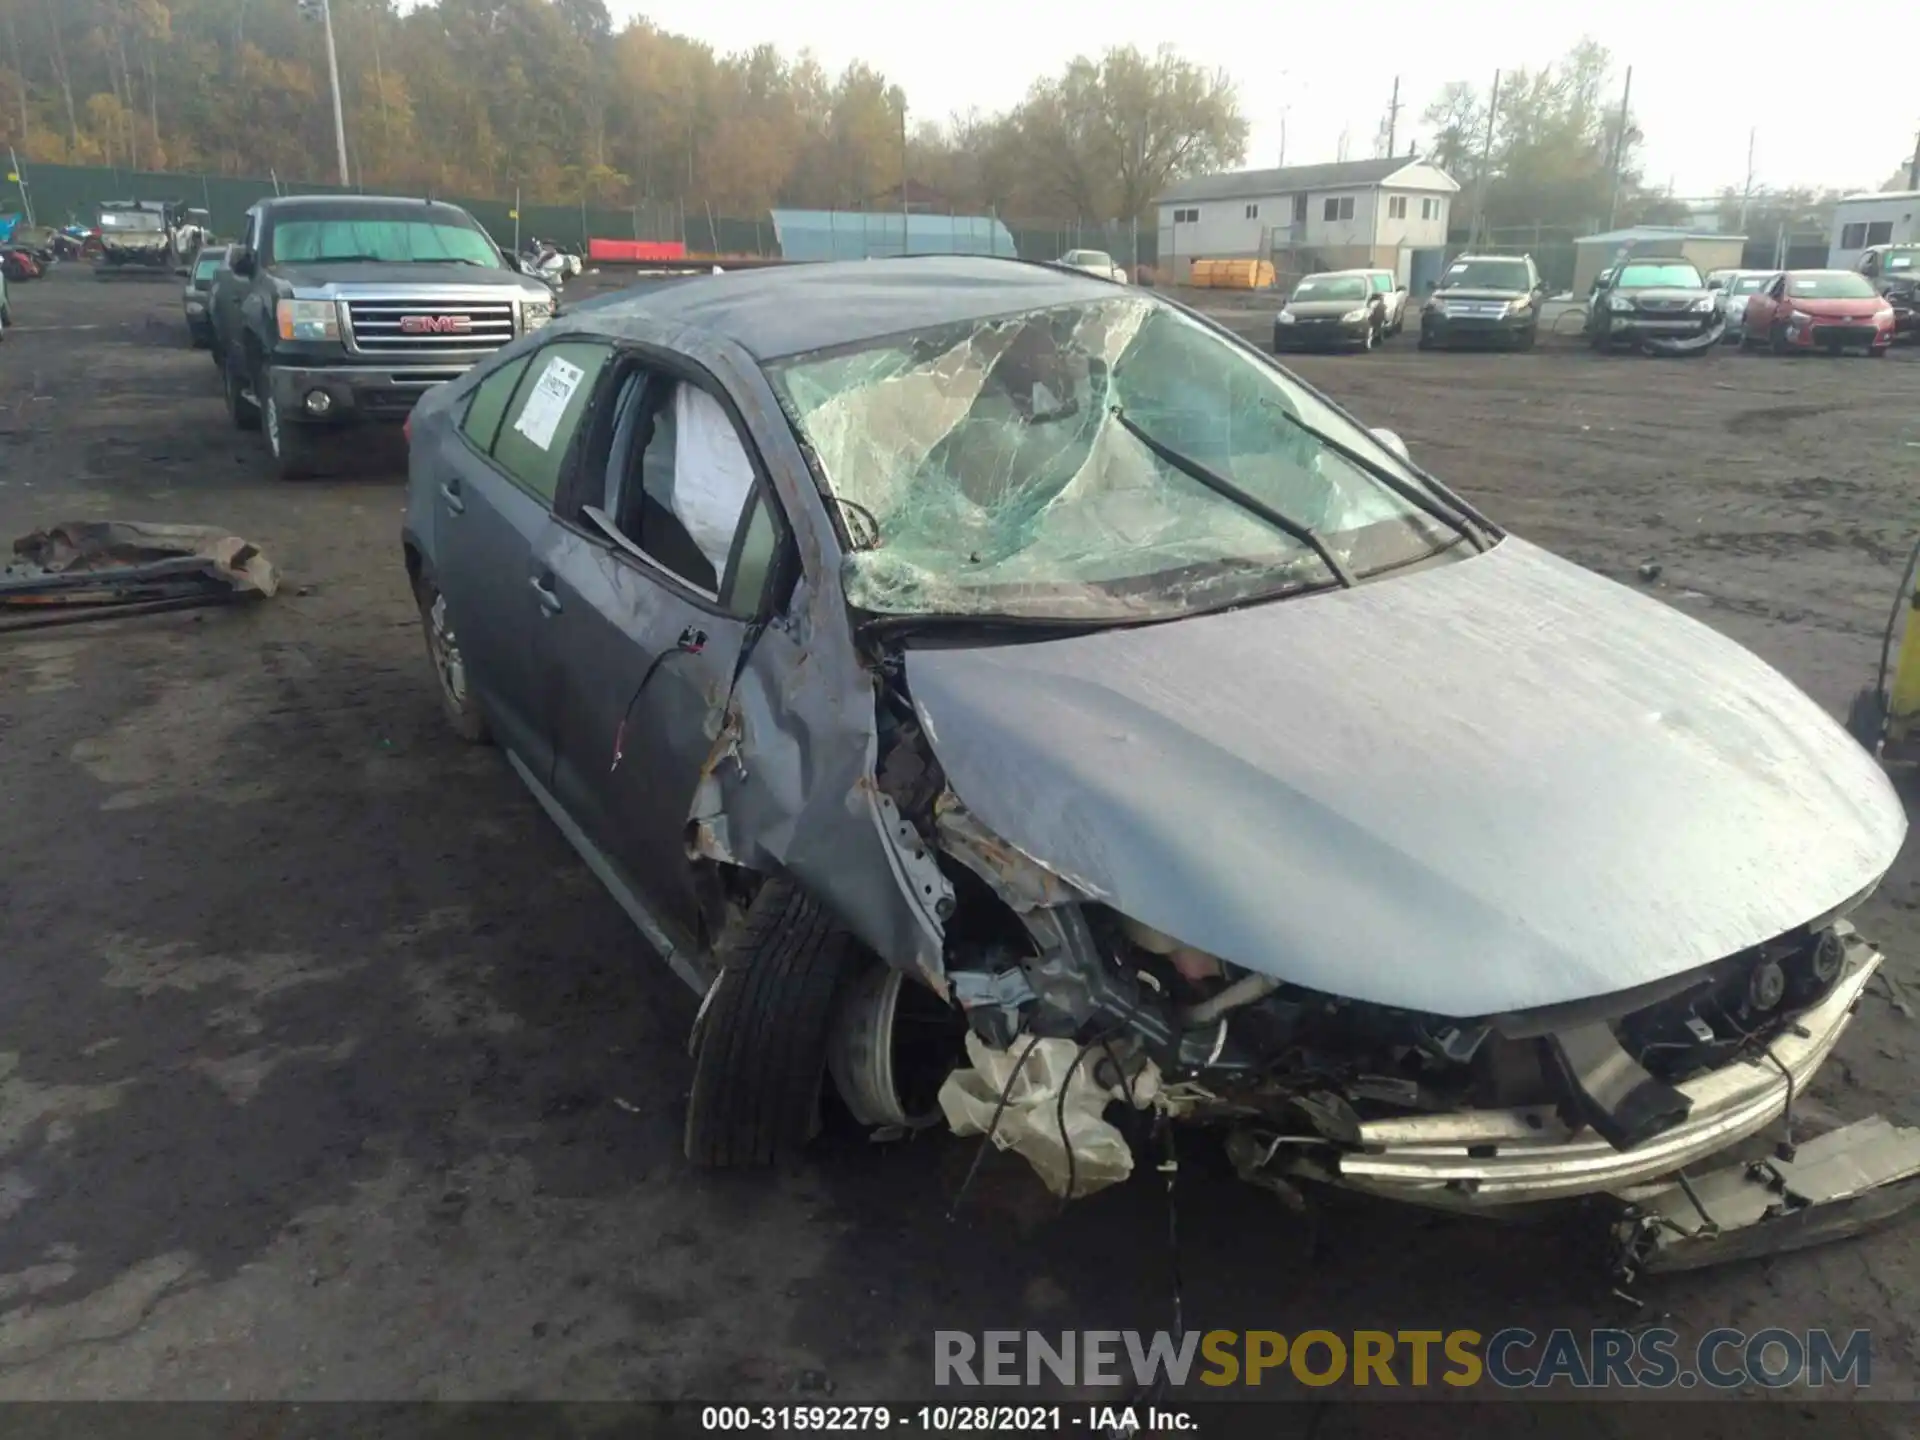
pixel 496 506
pixel 668 550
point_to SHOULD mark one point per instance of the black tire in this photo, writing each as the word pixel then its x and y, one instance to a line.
pixel 760 1057
pixel 1867 718
pixel 292 446
pixel 242 411
pixel 457 700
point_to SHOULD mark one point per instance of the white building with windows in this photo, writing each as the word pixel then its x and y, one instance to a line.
pixel 1379 214
pixel 1891 217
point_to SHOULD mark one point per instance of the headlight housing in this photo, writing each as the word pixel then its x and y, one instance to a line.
pixel 536 313
pixel 308 319
pixel 1703 304
pixel 1354 316
pixel 1619 303
pixel 1285 317
pixel 1883 316
pixel 1517 306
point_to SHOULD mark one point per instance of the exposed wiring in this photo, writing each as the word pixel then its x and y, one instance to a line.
pixel 980 1154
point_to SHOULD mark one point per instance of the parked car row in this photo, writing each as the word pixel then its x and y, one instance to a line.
pixel 1654 304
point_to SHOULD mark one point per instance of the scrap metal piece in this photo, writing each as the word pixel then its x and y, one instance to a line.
pixel 119 567
pixel 1840 1185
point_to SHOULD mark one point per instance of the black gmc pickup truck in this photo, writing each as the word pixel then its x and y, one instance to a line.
pixel 344 310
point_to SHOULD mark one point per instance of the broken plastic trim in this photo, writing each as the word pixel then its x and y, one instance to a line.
pixel 1479 1160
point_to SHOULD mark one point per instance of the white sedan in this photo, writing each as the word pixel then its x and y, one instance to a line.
pixel 1095 262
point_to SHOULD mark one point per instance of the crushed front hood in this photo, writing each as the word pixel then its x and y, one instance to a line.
pixel 1487 786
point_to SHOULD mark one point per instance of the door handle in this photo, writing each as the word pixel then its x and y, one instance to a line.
pixel 549 597
pixel 450 492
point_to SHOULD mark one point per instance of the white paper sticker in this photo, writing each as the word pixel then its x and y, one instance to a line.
pixel 540 417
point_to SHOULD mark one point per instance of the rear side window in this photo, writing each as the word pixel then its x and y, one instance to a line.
pixel 489 403
pixel 545 411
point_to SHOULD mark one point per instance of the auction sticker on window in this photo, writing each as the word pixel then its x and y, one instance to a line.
pixel 540 416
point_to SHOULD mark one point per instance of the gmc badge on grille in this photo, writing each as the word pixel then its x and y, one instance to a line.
pixel 435 325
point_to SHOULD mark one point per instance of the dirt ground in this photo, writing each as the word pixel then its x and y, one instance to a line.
pixel 327 1071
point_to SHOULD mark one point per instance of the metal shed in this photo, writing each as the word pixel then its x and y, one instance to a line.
pixel 868 234
pixel 1708 251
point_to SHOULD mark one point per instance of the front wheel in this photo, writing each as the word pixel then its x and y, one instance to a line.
pixel 760 1044
pixel 292 446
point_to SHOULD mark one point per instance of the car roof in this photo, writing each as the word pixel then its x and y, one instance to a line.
pixel 783 310
pixel 280 205
pixel 1517 258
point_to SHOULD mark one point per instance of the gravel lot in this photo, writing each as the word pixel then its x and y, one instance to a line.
pixel 326 1071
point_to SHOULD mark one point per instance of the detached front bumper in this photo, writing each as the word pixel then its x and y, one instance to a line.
pixel 1489 1159
pixel 355 394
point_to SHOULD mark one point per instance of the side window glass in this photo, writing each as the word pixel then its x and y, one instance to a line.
pixel 545 411
pixel 489 403
pixel 687 484
pixel 1381 284
pixel 758 547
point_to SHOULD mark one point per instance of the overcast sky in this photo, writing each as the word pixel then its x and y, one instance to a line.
pixel 1329 69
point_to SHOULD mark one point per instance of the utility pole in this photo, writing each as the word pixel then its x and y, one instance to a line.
pixel 906 231
pixel 322 10
pixel 1746 193
pixel 1913 165
pixel 1486 160
pixel 1619 148
pixel 1393 118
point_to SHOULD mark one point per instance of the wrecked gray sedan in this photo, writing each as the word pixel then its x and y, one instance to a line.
pixel 1011 699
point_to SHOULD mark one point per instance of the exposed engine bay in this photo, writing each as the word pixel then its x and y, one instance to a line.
pixel 1072 1006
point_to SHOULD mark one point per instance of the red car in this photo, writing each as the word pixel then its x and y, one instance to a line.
pixel 1831 310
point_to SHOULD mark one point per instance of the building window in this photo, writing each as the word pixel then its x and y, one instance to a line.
pixel 1879 232
pixel 1397 208
pixel 1253 212
pixel 1299 209
pixel 1429 209
pixel 1338 207
pixel 1186 217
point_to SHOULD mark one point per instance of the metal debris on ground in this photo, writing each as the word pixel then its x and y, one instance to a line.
pixel 98 569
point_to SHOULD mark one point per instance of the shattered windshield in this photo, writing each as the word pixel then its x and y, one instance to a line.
pixel 999 467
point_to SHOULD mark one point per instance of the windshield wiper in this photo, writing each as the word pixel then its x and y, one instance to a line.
pixel 1467 527
pixel 1252 504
